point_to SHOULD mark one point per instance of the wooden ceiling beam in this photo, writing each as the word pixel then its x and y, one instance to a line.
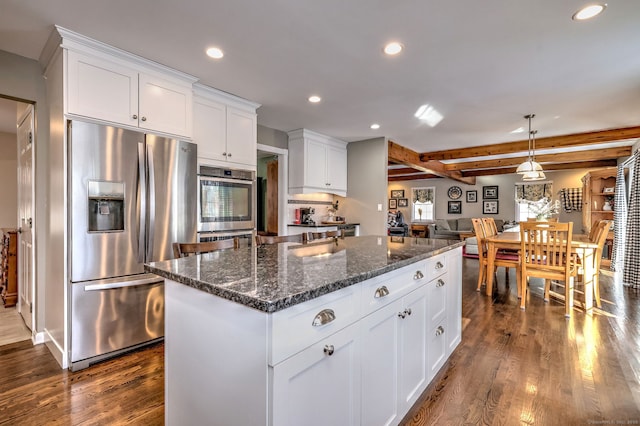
pixel 412 177
pixel 567 157
pixel 547 168
pixel 412 159
pixel 403 171
pixel 576 139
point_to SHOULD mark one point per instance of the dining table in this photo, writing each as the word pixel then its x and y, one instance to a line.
pixel 580 245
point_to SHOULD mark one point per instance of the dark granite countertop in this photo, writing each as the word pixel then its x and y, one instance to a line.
pixel 270 278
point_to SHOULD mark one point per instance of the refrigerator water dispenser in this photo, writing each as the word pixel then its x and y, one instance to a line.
pixel 106 206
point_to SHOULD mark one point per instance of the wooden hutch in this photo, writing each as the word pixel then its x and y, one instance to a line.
pixel 9 267
pixel 598 200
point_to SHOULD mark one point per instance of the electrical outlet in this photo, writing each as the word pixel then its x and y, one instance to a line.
pixel 379 207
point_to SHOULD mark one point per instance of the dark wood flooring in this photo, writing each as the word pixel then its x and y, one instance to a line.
pixel 512 367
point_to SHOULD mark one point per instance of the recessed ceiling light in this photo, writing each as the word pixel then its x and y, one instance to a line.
pixel 215 52
pixel 429 115
pixel 375 126
pixel 588 12
pixel 393 48
pixel 314 99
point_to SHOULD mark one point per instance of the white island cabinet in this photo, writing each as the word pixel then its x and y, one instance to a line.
pixel 360 355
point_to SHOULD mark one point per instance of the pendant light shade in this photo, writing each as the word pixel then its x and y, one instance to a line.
pixel 539 175
pixel 530 169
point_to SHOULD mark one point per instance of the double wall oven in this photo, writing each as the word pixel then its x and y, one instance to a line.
pixel 226 203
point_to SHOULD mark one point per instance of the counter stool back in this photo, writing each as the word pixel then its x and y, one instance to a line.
pixel 325 234
pixel 187 249
pixel 275 239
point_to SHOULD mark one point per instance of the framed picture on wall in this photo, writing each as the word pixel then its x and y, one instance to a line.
pixel 490 207
pixel 393 203
pixel 455 207
pixel 490 192
pixel 403 202
pixel 397 193
pixel 472 196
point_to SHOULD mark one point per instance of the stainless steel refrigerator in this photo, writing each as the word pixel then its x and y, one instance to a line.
pixel 131 196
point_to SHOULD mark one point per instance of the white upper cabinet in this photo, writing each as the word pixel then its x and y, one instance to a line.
pixel 225 128
pixel 317 163
pixel 110 89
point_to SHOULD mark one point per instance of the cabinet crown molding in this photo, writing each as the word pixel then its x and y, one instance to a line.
pixel 208 92
pixel 74 41
pixel 310 134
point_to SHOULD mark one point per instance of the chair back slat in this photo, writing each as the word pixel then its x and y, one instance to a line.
pixel 187 249
pixel 275 239
pixel 490 227
pixel 325 234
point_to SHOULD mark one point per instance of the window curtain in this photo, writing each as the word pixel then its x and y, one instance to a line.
pixel 619 222
pixel 631 272
pixel 534 191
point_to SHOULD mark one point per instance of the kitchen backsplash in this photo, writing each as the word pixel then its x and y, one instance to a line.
pixel 320 202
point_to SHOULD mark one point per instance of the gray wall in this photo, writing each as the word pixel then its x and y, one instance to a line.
pixel 366 185
pixel 272 137
pixel 506 197
pixel 21 78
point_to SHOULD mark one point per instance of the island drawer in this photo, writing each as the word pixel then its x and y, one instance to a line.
pixel 380 291
pixel 302 325
pixel 436 266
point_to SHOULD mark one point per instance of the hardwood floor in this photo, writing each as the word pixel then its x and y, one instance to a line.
pixel 512 367
pixel 536 367
pixel 12 328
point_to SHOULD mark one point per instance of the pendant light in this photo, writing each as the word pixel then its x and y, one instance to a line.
pixel 535 175
pixel 530 165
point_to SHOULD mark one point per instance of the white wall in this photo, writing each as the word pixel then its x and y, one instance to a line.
pixel 9 179
pixel 506 194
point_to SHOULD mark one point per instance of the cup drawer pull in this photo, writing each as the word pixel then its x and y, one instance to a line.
pixel 323 317
pixel 440 283
pixel 418 275
pixel 439 265
pixel 381 292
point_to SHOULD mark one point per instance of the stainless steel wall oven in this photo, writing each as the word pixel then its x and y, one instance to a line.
pixel 226 200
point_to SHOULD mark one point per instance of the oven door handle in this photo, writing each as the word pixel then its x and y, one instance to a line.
pixel 219 179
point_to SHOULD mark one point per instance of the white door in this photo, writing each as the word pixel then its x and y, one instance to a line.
pixel 26 137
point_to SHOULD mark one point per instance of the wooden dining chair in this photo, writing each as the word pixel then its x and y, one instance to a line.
pixel 311 236
pixel 187 249
pixel 545 249
pixel 275 239
pixel 489 224
pixel 599 237
pixel 501 260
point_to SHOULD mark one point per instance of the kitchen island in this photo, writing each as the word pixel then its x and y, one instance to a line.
pixel 344 331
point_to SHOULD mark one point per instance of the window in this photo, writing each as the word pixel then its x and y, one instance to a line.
pixel 422 204
pixel 526 192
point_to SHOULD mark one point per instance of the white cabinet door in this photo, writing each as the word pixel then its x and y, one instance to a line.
pixel 101 89
pixel 210 129
pixel 241 137
pixel 337 168
pixel 315 165
pixel 164 106
pixel 380 338
pixel 321 384
pixel 413 377
pixel 454 300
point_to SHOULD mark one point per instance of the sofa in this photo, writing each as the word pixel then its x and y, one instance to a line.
pixel 451 229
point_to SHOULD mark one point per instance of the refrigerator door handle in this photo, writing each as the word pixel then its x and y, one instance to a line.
pixel 110 286
pixel 152 203
pixel 141 206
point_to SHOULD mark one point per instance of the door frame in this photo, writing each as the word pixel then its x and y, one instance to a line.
pixel 283 183
pixel 29 110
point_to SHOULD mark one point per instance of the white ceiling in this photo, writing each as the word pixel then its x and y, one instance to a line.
pixel 482 64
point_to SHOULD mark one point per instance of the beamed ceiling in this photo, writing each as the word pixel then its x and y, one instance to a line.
pixel 576 151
